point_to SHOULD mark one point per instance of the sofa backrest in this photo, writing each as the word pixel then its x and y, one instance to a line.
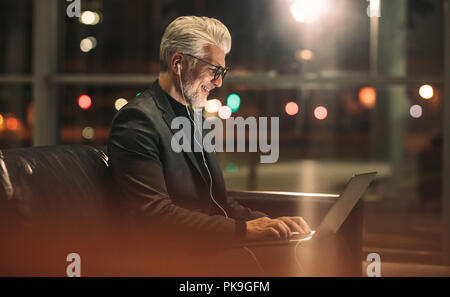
pixel 68 183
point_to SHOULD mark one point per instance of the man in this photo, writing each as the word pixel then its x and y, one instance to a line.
pixel 183 191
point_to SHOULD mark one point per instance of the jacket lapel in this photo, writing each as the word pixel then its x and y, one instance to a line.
pixel 168 115
pixel 216 173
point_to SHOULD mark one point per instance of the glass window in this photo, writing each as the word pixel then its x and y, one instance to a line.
pixel 15 36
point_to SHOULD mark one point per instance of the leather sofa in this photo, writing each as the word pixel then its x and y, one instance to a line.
pixel 58 200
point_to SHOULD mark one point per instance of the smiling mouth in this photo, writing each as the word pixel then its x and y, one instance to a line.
pixel 206 89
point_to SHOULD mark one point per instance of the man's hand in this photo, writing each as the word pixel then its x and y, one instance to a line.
pixel 280 228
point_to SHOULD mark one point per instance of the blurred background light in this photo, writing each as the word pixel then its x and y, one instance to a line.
pixel 426 91
pixel 84 101
pixel 304 54
pixel 87 44
pixel 213 105
pixel 119 103
pixel 233 102
pixel 224 112
pixel 306 10
pixel 415 111
pixel 291 108
pixel 373 10
pixel 89 18
pixel 12 123
pixel 367 97
pixel 88 133
pixel 231 168
pixel 320 113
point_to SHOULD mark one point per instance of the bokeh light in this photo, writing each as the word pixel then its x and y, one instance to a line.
pixel 224 112
pixel 304 54
pixel 87 44
pixel 415 111
pixel 233 102
pixel 320 113
pixel 291 108
pixel 367 97
pixel 231 168
pixel 12 123
pixel 426 91
pixel 84 101
pixel 89 18
pixel 213 105
pixel 88 133
pixel 119 103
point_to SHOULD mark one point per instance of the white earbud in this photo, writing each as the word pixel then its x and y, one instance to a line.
pixel 179 70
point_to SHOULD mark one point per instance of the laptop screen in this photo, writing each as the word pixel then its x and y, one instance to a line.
pixel 353 191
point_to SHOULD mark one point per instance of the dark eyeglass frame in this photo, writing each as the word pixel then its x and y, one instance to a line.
pixel 218 70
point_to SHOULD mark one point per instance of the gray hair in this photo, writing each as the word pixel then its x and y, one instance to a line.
pixel 190 35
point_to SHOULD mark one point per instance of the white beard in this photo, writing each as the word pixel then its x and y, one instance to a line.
pixel 192 96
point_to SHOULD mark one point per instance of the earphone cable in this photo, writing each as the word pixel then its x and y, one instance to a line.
pixel 201 145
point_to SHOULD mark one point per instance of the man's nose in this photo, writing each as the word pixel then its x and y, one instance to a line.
pixel 217 82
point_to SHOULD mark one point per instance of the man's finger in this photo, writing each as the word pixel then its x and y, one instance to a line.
pixel 302 223
pixel 281 227
pixel 293 225
pixel 286 228
pixel 272 232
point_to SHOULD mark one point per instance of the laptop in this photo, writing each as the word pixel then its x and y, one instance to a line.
pixel 336 216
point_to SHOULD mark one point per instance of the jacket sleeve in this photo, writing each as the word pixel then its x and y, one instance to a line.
pixel 134 154
pixel 242 213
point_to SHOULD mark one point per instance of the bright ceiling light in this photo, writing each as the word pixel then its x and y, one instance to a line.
pixel 373 10
pixel 307 10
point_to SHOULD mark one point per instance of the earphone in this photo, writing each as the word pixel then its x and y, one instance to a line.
pixel 201 145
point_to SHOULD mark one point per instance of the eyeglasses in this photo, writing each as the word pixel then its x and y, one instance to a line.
pixel 218 70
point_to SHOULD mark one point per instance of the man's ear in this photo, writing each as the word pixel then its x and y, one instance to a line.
pixel 176 63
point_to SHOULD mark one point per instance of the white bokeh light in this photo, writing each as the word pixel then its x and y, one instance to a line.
pixel 89 18
pixel 415 111
pixel 87 44
pixel 119 103
pixel 88 133
pixel 426 91
pixel 213 105
pixel 225 112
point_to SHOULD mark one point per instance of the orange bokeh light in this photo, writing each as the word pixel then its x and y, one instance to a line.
pixel 12 124
pixel 291 108
pixel 367 96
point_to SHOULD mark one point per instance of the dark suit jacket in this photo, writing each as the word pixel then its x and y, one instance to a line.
pixel 164 187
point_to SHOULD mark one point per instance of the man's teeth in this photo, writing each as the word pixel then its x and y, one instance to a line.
pixel 206 89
